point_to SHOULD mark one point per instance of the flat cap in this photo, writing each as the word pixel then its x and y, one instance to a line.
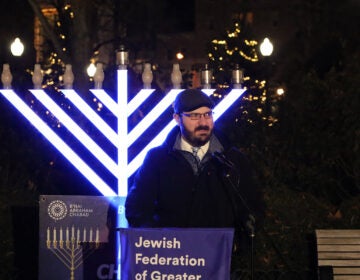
pixel 191 99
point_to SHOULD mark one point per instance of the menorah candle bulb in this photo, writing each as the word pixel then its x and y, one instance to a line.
pixel 84 235
pixel 237 77
pixel 48 234
pixel 176 77
pixel 61 234
pixel 122 58
pixel 37 77
pixel 54 231
pixel 98 76
pixel 97 235
pixel 6 76
pixel 68 76
pixel 91 233
pixel 206 76
pixel 147 76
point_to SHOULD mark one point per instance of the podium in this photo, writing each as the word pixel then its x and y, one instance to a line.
pixel 176 253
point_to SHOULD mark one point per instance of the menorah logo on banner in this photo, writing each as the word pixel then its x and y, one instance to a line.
pixel 121 138
pixel 72 246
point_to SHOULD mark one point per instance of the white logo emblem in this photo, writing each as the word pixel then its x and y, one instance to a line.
pixel 57 210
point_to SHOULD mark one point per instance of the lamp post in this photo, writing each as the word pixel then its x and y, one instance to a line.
pixel 91 70
pixel 266 49
pixel 18 61
pixel 17 47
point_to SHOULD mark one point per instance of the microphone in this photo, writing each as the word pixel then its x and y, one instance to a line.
pixel 220 157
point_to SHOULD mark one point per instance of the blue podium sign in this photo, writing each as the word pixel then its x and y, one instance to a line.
pixel 77 237
pixel 176 253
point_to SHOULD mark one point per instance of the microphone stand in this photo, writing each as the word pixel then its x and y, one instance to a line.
pixel 250 224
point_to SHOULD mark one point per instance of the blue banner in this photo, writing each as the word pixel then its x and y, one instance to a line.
pixel 78 238
pixel 176 254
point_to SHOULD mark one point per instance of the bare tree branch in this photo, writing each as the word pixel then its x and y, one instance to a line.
pixel 49 31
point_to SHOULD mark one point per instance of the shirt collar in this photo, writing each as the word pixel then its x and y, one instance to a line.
pixel 214 144
pixel 185 146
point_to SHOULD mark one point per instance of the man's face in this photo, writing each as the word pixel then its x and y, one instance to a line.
pixel 196 126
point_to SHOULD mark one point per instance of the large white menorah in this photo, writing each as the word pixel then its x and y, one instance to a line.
pixel 121 138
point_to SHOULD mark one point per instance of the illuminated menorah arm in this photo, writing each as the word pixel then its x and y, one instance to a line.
pixel 121 139
pixel 57 142
pixel 78 132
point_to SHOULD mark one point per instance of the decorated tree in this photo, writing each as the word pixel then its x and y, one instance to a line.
pixel 237 49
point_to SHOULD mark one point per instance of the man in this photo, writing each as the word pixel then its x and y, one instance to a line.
pixel 209 187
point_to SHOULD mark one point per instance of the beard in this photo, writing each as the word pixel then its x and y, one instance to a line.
pixel 199 137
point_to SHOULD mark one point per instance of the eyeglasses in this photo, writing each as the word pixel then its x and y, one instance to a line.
pixel 197 116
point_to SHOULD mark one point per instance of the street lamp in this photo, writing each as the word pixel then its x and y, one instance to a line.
pixel 17 47
pixel 266 47
pixel 179 55
pixel 91 70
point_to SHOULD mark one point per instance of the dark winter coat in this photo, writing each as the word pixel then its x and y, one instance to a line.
pixel 169 192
